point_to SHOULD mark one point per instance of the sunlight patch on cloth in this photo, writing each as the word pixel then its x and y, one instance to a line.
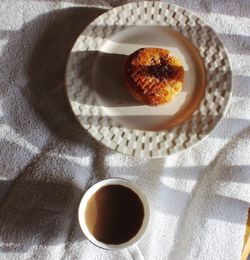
pixel 228 24
pixel 83 161
pixel 9 135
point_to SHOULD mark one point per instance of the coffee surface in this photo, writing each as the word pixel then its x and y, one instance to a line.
pixel 114 214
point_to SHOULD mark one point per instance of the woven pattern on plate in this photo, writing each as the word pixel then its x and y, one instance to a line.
pixel 149 144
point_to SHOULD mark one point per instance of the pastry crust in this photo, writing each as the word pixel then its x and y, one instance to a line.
pixel 153 75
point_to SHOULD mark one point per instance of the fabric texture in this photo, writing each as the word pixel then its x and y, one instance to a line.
pixel 199 198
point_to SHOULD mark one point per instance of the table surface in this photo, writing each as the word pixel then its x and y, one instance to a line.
pixel 246 247
pixel 199 198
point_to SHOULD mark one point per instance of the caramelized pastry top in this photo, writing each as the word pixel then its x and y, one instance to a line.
pixel 153 75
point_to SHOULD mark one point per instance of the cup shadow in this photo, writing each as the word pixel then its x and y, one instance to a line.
pixel 38 212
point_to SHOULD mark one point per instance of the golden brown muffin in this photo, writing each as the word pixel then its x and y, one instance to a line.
pixel 153 75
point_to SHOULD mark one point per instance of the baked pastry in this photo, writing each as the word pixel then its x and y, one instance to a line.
pixel 153 76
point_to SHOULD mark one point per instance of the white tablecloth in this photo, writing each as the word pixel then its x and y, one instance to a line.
pixel 199 198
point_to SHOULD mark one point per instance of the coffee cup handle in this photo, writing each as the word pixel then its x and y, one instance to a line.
pixel 135 252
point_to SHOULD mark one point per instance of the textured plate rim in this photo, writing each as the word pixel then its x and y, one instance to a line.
pixel 155 144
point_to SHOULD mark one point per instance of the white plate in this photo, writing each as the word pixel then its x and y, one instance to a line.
pixel 101 102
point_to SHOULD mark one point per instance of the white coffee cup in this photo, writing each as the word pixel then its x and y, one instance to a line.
pixel 131 244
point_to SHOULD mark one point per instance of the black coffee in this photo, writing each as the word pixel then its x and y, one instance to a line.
pixel 114 214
